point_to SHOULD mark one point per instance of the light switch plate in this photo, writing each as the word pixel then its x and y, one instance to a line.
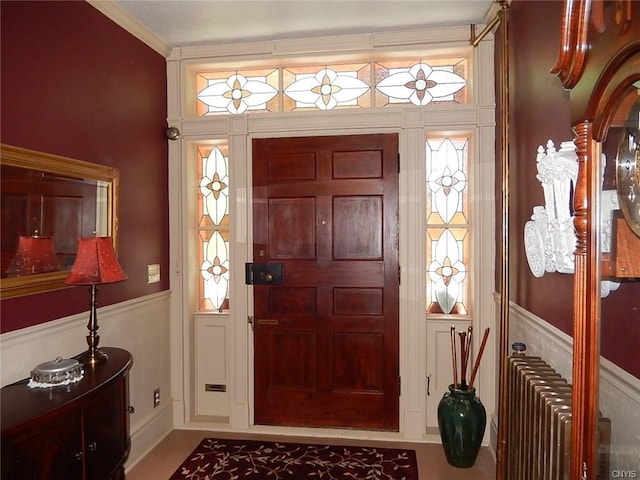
pixel 153 273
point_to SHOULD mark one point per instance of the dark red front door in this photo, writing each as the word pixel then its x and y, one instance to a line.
pixel 326 339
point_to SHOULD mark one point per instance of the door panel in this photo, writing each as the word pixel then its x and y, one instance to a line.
pixel 326 339
pixel 357 228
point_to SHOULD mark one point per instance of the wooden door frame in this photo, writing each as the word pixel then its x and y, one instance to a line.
pixel 411 123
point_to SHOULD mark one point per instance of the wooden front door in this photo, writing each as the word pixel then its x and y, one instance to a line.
pixel 326 339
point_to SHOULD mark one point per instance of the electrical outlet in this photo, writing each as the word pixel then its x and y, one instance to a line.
pixel 156 397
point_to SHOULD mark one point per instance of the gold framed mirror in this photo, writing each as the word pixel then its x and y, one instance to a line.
pixel 48 202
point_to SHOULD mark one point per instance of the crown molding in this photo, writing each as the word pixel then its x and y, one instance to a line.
pixel 443 38
pixel 135 28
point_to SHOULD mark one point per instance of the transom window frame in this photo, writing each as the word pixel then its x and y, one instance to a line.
pixel 406 56
pixel 369 83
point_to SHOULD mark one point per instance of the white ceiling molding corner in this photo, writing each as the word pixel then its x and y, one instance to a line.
pixel 131 25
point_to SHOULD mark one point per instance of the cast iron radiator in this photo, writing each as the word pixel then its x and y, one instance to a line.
pixel 539 430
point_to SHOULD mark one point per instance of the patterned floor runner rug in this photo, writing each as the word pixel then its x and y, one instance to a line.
pixel 217 459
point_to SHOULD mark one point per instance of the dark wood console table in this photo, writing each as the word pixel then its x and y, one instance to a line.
pixel 60 433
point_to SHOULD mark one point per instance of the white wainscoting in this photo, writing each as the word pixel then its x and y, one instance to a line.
pixel 619 390
pixel 140 326
pixel 542 339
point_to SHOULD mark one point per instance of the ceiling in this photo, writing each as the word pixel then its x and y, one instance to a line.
pixel 189 22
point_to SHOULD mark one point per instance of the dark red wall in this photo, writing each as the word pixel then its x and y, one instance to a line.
pixel 73 83
pixel 541 110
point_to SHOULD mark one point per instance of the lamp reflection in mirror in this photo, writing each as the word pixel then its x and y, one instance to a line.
pixel 95 264
pixel 33 255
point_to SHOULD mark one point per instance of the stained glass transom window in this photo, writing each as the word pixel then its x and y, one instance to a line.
pixel 213 226
pixel 236 93
pixel 447 225
pixel 327 87
pixel 420 83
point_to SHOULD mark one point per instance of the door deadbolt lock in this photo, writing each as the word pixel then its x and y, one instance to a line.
pixel 263 273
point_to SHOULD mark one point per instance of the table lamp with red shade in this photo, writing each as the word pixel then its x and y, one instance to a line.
pixel 95 265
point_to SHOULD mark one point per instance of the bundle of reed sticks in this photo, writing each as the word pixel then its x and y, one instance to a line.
pixel 465 354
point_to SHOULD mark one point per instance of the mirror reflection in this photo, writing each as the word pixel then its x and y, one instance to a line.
pixel 619 370
pixel 47 203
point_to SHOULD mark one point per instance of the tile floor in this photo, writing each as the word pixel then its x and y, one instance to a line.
pixel 432 464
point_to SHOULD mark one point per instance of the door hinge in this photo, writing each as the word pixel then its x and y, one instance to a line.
pixel 399 275
pixel 250 321
pixel 398 163
pixel 399 385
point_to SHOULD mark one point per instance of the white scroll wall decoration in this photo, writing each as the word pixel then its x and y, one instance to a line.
pixel 549 237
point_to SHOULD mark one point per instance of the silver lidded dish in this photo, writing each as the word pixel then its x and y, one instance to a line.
pixel 60 371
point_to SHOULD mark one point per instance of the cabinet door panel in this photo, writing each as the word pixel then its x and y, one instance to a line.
pixel 53 452
pixel 105 439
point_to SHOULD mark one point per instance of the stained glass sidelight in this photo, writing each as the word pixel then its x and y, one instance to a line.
pixel 447 225
pixel 213 226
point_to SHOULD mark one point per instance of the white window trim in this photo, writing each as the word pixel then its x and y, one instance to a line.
pixel 410 123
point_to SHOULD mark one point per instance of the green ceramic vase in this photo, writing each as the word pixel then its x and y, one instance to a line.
pixel 462 419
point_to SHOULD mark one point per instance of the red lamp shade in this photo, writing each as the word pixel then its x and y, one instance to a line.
pixel 33 255
pixel 95 263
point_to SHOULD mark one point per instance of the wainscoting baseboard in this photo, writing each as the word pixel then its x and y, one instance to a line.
pixel 148 433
